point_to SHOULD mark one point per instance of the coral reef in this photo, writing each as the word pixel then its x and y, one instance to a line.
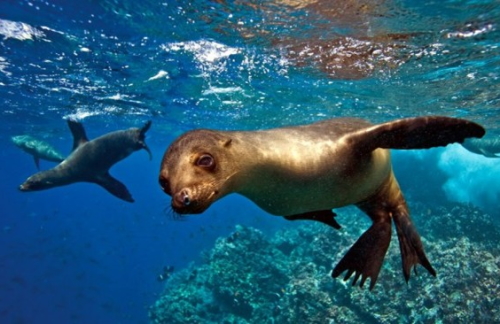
pixel 250 278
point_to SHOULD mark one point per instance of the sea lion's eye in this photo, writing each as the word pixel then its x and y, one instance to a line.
pixel 206 161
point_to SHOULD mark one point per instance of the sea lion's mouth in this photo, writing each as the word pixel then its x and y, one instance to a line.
pixel 192 208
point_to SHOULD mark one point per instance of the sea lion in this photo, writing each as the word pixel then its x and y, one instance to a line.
pixel 38 148
pixel 304 172
pixel 488 147
pixel 90 161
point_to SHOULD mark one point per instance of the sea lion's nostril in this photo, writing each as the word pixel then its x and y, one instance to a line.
pixel 186 201
pixel 185 197
pixel 182 198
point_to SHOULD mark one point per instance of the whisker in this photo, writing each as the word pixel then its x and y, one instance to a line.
pixel 172 214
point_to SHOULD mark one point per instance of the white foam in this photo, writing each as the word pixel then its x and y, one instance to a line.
pixel 82 113
pixel 3 66
pixel 120 97
pixel 472 178
pixel 205 51
pixel 219 90
pixel 471 33
pixel 19 30
pixel 159 75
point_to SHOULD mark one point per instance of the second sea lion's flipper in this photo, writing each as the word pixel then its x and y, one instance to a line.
pixel 114 187
pixel 415 133
pixel 142 137
pixel 78 132
pixel 37 162
pixel 324 216
pixel 412 250
pixel 366 256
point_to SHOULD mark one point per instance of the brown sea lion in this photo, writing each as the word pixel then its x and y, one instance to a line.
pixel 90 161
pixel 303 172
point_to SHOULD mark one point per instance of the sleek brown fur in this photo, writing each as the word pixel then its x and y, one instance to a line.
pixel 303 172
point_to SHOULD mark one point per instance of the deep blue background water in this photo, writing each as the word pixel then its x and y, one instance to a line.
pixel 78 254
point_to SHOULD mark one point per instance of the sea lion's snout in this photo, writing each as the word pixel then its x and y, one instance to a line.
pixel 185 202
pixel 181 199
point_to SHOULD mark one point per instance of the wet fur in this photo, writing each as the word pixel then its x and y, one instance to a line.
pixel 304 172
pixel 90 161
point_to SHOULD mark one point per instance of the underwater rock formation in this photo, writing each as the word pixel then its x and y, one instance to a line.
pixel 250 278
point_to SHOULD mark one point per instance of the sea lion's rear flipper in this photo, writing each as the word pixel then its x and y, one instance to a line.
pixel 79 135
pixel 415 133
pixel 142 137
pixel 145 128
pixel 366 256
pixel 412 250
pixel 114 187
pixel 324 216
pixel 37 162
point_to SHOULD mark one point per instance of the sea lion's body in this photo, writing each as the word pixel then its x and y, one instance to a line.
pixel 304 176
pixel 304 172
pixel 38 149
pixel 90 161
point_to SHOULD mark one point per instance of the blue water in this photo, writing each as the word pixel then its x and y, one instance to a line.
pixel 76 254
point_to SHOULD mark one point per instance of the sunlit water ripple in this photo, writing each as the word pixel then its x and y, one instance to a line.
pixel 186 63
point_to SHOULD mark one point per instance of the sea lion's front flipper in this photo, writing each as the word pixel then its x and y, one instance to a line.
pixel 412 250
pixel 366 256
pixel 37 162
pixel 415 133
pixel 114 187
pixel 79 135
pixel 324 216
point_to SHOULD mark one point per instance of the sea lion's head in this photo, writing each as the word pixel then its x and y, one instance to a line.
pixel 40 181
pixel 195 170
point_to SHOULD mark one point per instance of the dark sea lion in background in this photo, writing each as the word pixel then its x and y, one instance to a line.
pixel 90 161
pixel 38 148
pixel 488 147
pixel 303 172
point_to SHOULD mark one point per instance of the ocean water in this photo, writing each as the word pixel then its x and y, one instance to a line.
pixel 76 254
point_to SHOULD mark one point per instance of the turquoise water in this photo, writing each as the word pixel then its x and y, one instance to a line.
pixel 78 254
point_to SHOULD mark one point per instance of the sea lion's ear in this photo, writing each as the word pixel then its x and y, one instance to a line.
pixel 226 142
